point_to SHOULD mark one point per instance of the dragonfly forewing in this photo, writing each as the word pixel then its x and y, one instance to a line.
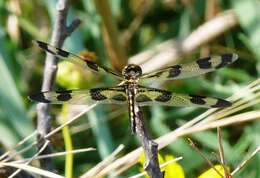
pixel 201 66
pixel 73 58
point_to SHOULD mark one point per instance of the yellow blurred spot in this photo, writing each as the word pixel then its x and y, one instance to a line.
pixel 68 76
pixel 211 173
pixel 173 170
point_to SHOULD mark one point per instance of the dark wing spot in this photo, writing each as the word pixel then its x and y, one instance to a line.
pixel 174 71
pixel 157 74
pixel 96 95
pixel 142 98
pixel 62 53
pixel 204 63
pixel 197 99
pixel 42 45
pixel 119 97
pixel 92 65
pixel 221 104
pixel 164 97
pixel 45 47
pixel 39 97
pixel 225 60
pixel 64 91
pixel 64 96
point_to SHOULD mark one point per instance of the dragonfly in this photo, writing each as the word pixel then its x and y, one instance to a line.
pixel 129 91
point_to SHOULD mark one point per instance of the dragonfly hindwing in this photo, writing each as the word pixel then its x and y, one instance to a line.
pixel 149 96
pixel 80 97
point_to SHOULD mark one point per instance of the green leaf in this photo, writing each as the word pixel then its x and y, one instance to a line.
pixel 13 116
pixel 11 104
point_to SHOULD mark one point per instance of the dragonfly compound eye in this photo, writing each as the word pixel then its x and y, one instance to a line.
pixel 132 71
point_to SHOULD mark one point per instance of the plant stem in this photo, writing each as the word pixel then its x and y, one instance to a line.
pixel 60 32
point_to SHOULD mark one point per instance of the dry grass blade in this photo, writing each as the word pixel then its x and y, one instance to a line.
pixel 32 170
pixel 70 120
pixel 241 165
pixel 95 170
pixel 240 100
pixel 9 152
pixel 244 98
pixel 132 157
pixel 85 126
pixel 30 160
pixel 35 143
pixel 57 154
pixel 49 134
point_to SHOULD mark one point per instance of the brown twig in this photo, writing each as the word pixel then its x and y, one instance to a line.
pixel 203 156
pixel 60 32
pixel 221 153
pixel 150 148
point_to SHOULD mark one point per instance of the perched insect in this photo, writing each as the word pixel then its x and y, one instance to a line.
pixel 129 91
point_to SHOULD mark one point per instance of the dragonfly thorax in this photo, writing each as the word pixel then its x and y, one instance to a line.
pixel 132 71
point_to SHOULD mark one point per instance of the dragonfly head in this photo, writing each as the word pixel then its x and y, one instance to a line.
pixel 132 71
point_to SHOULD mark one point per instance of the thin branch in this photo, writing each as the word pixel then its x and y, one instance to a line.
pixel 241 165
pixel 170 51
pixel 221 153
pixel 204 157
pixel 150 148
pixel 56 154
pixel 31 159
pixel 60 32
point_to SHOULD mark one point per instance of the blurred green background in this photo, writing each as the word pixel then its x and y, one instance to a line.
pixel 105 127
